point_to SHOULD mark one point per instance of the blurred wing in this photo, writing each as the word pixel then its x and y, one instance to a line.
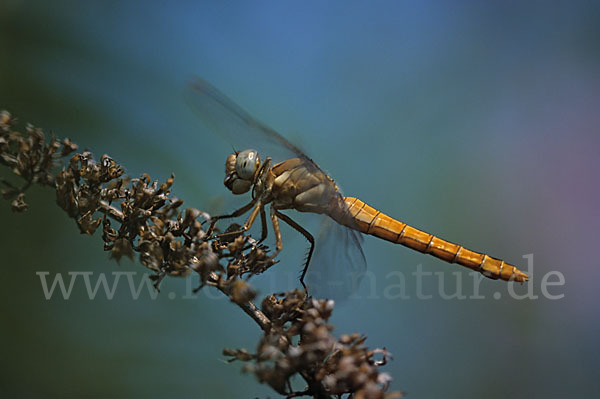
pixel 224 117
pixel 338 263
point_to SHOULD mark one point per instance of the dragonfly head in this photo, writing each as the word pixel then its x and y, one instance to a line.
pixel 240 171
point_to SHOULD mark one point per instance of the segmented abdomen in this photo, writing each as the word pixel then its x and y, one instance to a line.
pixel 368 220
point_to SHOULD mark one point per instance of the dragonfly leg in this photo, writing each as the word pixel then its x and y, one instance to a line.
pixel 263 234
pixel 257 208
pixel 276 230
pixel 306 234
pixel 263 224
pixel 239 212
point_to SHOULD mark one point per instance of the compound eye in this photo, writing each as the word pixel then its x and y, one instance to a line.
pixel 240 186
pixel 247 163
pixel 230 164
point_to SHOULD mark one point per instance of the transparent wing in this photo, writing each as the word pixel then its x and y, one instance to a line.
pixel 338 263
pixel 224 117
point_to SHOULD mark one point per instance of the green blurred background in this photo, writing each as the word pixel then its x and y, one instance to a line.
pixel 477 121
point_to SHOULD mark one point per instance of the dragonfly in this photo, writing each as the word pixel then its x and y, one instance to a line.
pixel 298 183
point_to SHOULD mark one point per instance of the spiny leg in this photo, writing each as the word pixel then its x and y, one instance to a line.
pixel 276 230
pixel 306 234
pixel 248 223
pixel 263 224
pixel 239 212
pixel 264 230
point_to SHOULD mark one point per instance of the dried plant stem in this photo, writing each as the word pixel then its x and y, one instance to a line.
pixel 173 242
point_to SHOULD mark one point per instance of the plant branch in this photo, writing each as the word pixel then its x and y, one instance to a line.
pixel 172 242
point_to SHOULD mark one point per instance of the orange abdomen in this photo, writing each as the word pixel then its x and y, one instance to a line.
pixel 368 220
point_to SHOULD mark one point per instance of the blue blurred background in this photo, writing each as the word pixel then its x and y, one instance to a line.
pixel 477 121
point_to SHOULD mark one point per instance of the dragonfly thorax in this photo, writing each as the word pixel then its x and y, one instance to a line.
pixel 240 171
